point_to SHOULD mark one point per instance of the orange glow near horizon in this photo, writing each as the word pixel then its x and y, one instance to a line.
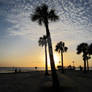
pixel 37 59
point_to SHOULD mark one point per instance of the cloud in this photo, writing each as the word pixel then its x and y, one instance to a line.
pixel 73 19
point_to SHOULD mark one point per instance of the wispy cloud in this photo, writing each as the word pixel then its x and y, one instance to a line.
pixel 75 18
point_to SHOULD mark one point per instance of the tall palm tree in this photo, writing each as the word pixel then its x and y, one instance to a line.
pixel 43 42
pixel 43 15
pixel 83 48
pixel 90 49
pixel 61 48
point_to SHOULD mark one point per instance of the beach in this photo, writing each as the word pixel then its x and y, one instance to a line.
pixel 36 81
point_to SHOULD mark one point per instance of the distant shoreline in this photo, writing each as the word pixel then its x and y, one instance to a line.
pixel 25 69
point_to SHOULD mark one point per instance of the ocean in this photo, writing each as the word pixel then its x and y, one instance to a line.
pixel 25 69
pixel 22 69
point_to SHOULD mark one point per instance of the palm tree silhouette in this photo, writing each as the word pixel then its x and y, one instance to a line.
pixel 89 56
pixel 83 48
pixel 43 15
pixel 90 49
pixel 43 42
pixel 61 48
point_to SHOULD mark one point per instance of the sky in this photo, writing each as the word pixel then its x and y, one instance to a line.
pixel 19 35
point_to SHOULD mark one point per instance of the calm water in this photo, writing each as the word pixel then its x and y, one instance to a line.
pixel 24 69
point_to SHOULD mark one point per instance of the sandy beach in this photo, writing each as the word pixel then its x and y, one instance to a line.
pixel 35 81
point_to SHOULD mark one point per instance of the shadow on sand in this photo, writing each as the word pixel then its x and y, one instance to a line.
pixel 61 89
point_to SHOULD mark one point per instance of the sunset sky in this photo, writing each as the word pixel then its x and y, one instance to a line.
pixel 19 35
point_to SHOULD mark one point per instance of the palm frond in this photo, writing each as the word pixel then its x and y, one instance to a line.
pixel 42 41
pixel 43 15
pixel 61 47
pixel 79 51
pixel 82 48
pixel 35 17
pixel 65 49
pixel 40 21
pixel 44 8
pixel 52 16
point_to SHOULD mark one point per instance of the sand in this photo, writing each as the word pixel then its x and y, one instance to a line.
pixel 36 81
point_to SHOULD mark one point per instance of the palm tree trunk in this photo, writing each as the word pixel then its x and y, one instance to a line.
pixel 84 65
pixel 87 65
pixel 62 62
pixel 46 65
pixel 54 75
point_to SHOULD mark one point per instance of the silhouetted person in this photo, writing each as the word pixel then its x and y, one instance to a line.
pixel 69 67
pixel 35 68
pixel 15 70
pixel 80 68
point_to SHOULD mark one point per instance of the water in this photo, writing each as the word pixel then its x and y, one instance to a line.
pixel 23 69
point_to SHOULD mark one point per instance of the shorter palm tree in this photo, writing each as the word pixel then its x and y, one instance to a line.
pixel 43 42
pixel 61 48
pixel 83 48
pixel 89 56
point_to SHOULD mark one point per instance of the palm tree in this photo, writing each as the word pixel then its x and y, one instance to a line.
pixel 43 42
pixel 89 56
pixel 61 48
pixel 83 48
pixel 90 49
pixel 42 15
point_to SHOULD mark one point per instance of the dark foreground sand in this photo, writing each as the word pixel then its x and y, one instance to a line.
pixel 71 81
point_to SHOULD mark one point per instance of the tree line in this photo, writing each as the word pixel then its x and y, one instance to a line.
pixel 43 15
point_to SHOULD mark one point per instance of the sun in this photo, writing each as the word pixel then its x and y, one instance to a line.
pixel 56 58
